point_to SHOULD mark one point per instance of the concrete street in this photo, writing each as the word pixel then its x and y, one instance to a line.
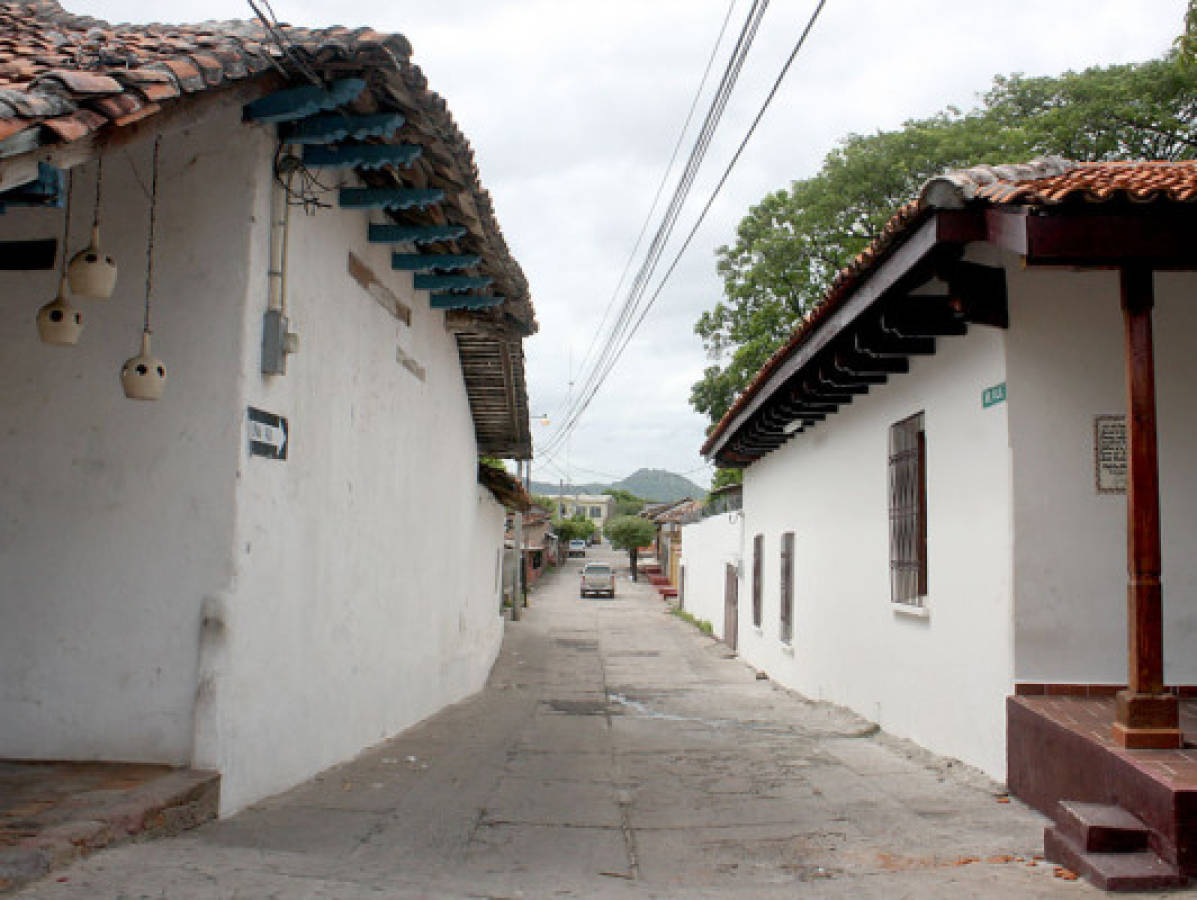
pixel 616 752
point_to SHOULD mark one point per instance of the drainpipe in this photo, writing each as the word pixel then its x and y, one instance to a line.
pixel 278 341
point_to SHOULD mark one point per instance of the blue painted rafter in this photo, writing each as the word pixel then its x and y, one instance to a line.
pixel 390 198
pixel 414 234
pixel 451 282
pixel 462 301
pixel 301 102
pixel 359 156
pixel 333 128
pixel 426 262
pixel 48 189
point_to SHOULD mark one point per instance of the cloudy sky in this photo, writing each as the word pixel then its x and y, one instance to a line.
pixel 573 108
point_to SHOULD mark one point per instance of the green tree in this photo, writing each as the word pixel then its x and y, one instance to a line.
pixel 630 533
pixel 548 504
pixel 724 477
pixel 1186 44
pixel 578 528
pixel 790 245
pixel 626 503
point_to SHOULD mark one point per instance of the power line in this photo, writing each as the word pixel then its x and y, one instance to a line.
pixel 623 325
pixel 630 333
pixel 702 83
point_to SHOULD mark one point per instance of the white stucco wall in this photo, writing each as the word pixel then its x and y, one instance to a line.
pixel 1066 367
pixel 364 596
pixel 940 680
pixel 707 548
pixel 167 597
pixel 118 515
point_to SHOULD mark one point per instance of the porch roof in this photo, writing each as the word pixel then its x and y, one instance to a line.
pixel 1050 210
pixel 71 86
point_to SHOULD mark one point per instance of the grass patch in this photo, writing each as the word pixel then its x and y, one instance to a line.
pixel 701 624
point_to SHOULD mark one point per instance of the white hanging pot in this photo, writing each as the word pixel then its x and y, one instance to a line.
pixel 92 272
pixel 143 376
pixel 58 322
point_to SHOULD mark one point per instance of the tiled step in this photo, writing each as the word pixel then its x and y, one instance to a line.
pixel 1137 870
pixel 1101 828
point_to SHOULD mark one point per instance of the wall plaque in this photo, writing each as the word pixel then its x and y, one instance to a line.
pixel 268 434
pixel 1109 453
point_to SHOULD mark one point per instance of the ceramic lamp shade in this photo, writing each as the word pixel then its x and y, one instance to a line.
pixel 92 272
pixel 58 322
pixel 143 376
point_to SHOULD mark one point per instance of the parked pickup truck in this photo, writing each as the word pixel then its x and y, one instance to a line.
pixel 597 578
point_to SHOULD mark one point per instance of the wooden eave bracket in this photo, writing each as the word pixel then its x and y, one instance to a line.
pixel 937 241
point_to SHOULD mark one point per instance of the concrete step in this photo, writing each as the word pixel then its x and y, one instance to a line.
pixel 1101 828
pixel 1136 870
pixel 77 809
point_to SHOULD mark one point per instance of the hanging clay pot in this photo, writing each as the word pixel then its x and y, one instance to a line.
pixel 92 272
pixel 58 322
pixel 143 376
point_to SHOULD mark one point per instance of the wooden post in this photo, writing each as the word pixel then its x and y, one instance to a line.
pixel 1147 716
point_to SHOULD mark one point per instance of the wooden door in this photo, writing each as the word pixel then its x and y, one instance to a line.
pixel 731 607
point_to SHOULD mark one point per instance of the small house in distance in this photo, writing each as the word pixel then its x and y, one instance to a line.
pixel 944 470
pixel 287 555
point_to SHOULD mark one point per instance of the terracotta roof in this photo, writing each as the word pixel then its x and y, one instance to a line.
pixel 1048 181
pixel 504 486
pixel 64 77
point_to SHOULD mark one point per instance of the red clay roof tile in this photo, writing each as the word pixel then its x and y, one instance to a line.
pixel 1047 181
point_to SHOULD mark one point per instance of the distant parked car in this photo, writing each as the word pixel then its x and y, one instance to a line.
pixel 597 578
pixel 577 548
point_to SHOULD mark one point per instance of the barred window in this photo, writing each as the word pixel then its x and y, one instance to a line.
pixel 787 587
pixel 758 553
pixel 908 511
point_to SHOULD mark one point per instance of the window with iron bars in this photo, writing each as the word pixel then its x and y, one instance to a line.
pixel 908 511
pixel 787 587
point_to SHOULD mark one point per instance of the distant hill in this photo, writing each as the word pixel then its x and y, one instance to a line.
pixel 656 485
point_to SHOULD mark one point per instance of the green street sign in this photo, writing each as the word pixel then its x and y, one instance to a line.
pixel 992 396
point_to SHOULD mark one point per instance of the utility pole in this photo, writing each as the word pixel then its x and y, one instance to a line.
pixel 517 539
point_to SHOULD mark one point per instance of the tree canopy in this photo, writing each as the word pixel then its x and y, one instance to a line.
pixel 579 528
pixel 791 244
pixel 630 532
pixel 626 503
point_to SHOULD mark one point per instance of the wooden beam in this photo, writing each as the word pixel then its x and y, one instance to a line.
pixel 364 275
pixel 336 127
pixel 1145 716
pixel 924 317
pixel 862 364
pixel 359 156
pixel 979 292
pixel 878 341
pixel 389 198
pixel 451 282
pixel 426 262
pixel 300 102
pixel 462 301
pixel 414 234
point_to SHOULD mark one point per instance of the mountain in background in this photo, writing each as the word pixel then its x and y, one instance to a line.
pixel 656 485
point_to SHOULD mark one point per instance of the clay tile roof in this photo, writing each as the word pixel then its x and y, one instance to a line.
pixel 1046 181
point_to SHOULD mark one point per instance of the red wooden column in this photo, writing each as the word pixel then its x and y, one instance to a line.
pixel 1147 716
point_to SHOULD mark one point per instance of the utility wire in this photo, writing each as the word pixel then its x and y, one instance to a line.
pixel 584 401
pixel 623 326
pixel 702 83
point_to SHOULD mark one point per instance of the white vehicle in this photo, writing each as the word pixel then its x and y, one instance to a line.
pixel 597 578
pixel 577 548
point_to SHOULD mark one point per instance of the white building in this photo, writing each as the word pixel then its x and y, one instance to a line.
pixel 258 573
pixel 935 510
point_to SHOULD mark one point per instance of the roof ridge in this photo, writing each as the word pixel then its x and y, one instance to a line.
pixel 955 188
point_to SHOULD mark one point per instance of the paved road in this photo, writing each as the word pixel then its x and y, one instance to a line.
pixel 616 752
